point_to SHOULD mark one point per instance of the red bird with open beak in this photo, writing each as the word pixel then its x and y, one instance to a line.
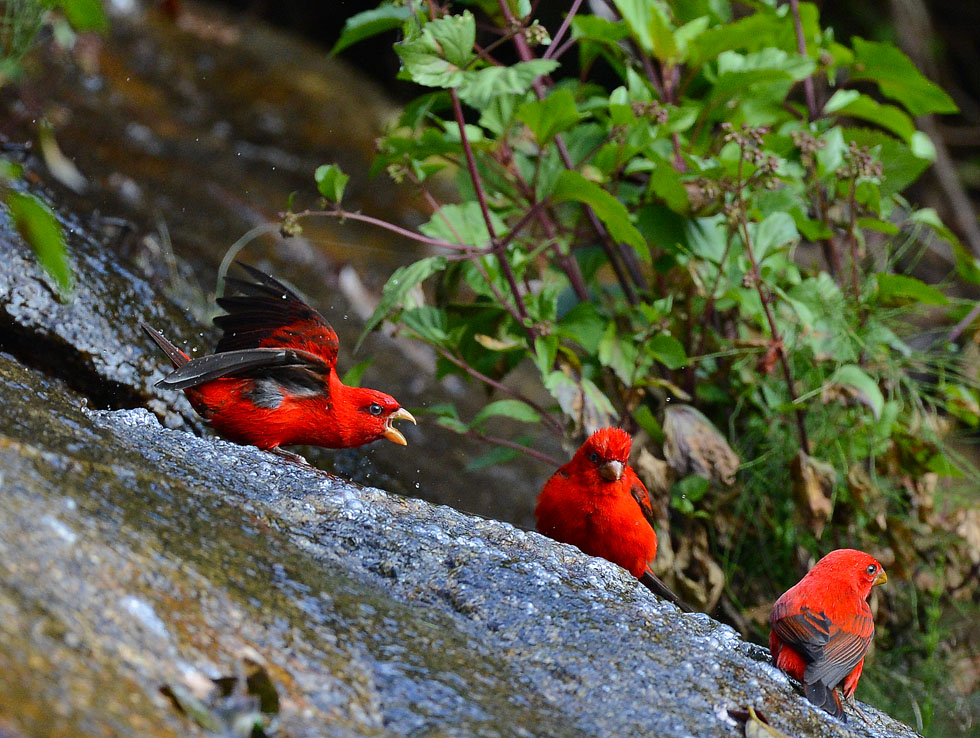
pixel 822 627
pixel 597 503
pixel 273 381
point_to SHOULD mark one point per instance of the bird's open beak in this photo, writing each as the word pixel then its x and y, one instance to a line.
pixel 882 577
pixel 393 434
pixel 611 471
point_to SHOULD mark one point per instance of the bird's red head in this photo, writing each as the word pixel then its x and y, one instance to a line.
pixel 604 455
pixel 366 415
pixel 856 569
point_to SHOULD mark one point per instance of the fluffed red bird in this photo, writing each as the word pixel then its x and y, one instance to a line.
pixel 273 381
pixel 822 627
pixel 597 503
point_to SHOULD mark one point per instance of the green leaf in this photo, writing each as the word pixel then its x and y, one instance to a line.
pixel 331 181
pixel 856 105
pixel 668 351
pixel 900 288
pixel 775 231
pixel 514 409
pixel 85 15
pixel 463 224
pixel 573 186
pixel 427 322
pixel 496 455
pixel 548 117
pixel 648 422
pixel 869 393
pixel 649 23
pixel 583 324
pixel 370 23
pixel 478 89
pixel 900 166
pixel 897 78
pixel 353 376
pixel 595 28
pixel 39 227
pixel 401 282
pixel 436 55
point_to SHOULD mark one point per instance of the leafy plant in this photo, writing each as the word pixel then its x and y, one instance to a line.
pixel 676 205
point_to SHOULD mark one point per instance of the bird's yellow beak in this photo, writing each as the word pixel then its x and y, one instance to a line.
pixel 393 434
pixel 882 577
pixel 611 471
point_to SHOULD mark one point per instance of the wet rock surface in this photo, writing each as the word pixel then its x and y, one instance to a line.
pixel 136 558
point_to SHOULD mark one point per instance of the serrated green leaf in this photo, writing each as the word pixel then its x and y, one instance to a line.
pixel 401 282
pixel 479 88
pixel 548 117
pixel 463 224
pixel 370 23
pixel 897 78
pixel 436 55
pixel 427 322
pixel 595 28
pixel 39 227
pixel 571 185
pixel 513 409
pixel 331 182
pixel 899 287
pixel 869 393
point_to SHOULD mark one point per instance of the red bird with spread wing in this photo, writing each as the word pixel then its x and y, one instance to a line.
pixel 272 380
pixel 597 503
pixel 822 627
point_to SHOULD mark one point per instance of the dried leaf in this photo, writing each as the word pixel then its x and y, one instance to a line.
pixel 657 475
pixel 813 486
pixel 694 446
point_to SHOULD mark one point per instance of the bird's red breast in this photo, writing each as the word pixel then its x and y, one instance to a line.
pixel 597 503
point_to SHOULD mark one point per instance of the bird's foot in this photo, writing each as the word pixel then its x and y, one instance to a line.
pixel 289 456
pixel 849 699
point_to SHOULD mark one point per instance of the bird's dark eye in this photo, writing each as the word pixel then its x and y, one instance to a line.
pixel 375 409
pixel 594 457
pixel 872 569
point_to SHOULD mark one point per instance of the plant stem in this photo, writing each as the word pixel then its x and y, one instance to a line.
pixel 628 257
pixel 563 29
pixel 767 309
pixel 497 441
pixel 342 214
pixel 481 197
pixel 808 90
pixel 490 382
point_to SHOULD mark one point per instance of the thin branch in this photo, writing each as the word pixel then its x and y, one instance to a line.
pixel 489 381
pixel 767 309
pixel 342 214
pixel 481 197
pixel 497 441
pixel 964 323
pixel 563 29
pixel 808 89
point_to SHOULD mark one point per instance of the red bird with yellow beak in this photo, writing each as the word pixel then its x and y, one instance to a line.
pixel 272 380
pixel 597 503
pixel 822 627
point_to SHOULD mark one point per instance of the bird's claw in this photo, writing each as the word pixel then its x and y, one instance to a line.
pixel 854 705
pixel 289 456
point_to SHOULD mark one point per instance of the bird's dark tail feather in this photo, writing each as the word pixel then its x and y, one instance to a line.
pixel 652 582
pixel 826 698
pixel 177 357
